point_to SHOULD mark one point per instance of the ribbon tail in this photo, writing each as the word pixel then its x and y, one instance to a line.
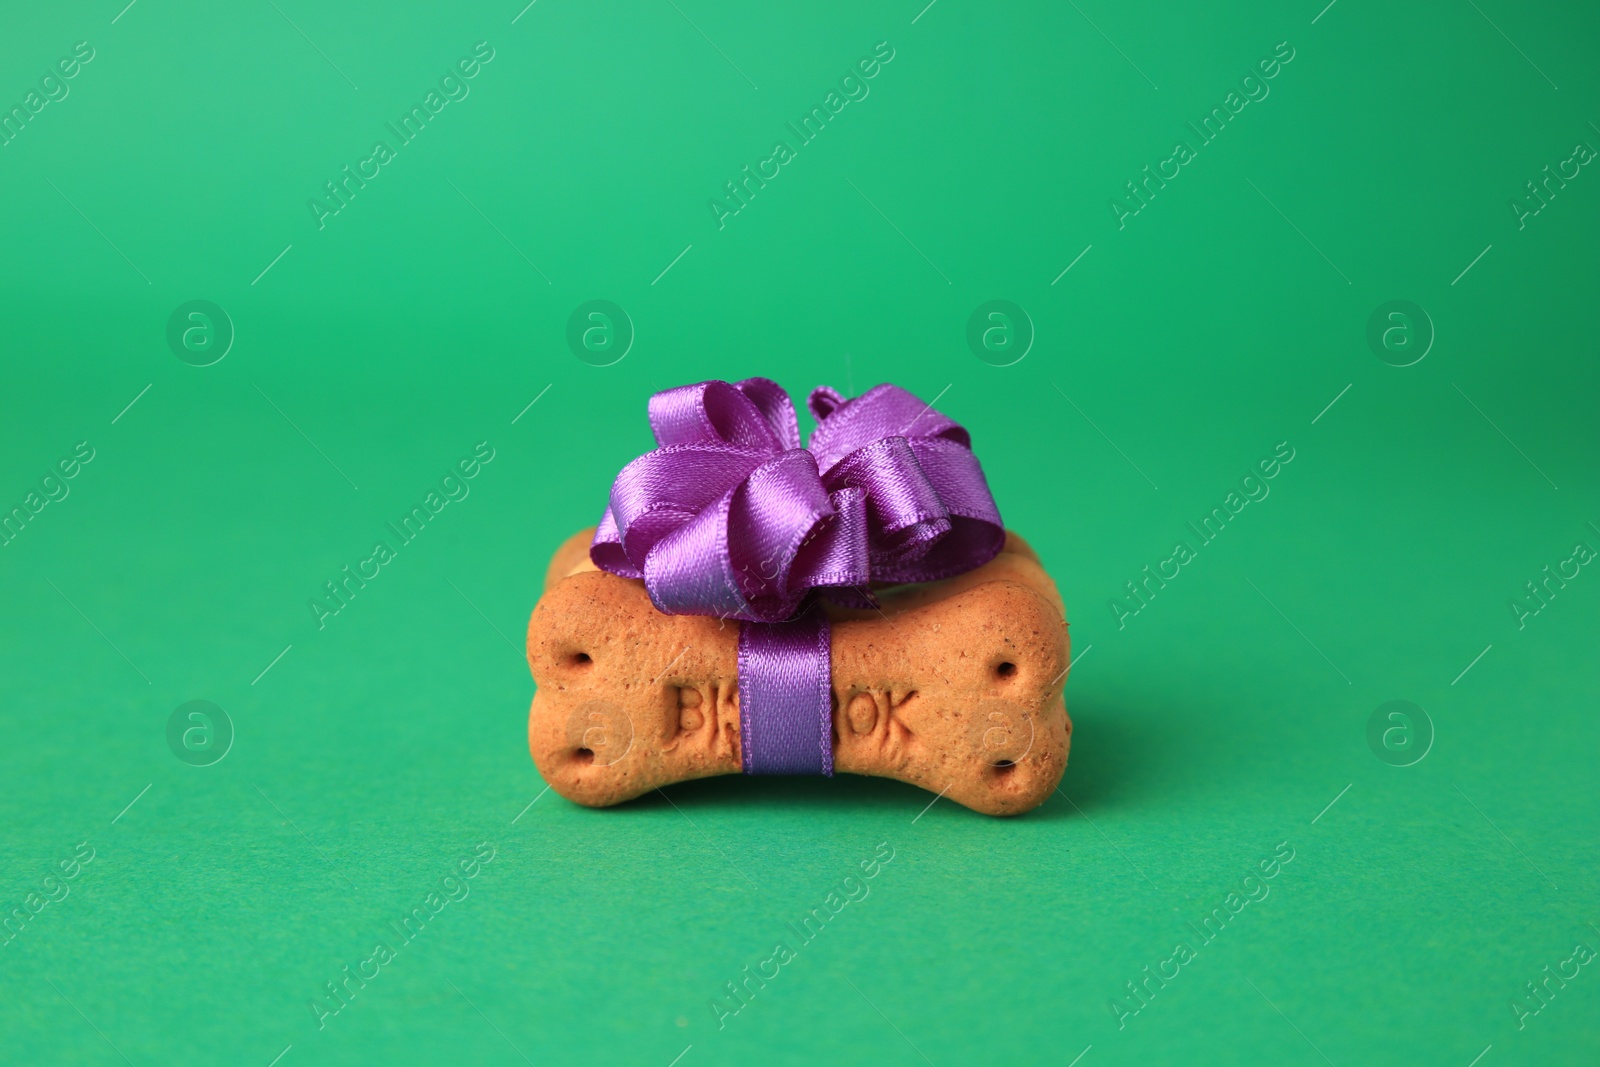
pixel 786 696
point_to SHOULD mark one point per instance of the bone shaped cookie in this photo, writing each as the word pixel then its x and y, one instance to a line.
pixel 954 686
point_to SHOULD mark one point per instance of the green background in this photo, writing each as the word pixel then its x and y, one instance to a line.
pixel 426 316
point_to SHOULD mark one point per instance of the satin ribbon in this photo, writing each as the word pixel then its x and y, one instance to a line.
pixel 731 517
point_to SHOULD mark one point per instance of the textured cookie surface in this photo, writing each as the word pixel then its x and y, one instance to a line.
pixel 954 686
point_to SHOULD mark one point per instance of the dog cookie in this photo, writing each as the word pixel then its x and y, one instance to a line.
pixel 954 686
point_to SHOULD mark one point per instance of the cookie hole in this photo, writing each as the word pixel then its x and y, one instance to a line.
pixel 583 756
pixel 581 660
pixel 1006 669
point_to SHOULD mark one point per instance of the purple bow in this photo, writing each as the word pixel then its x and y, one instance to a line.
pixel 731 517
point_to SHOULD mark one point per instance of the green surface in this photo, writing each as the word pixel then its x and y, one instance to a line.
pixel 1219 721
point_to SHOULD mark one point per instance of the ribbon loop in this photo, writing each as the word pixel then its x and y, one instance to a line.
pixel 902 503
pixel 731 517
pixel 777 508
pixel 882 411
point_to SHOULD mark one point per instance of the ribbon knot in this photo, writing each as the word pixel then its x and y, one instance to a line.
pixel 730 516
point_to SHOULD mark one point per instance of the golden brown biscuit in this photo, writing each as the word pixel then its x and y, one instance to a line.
pixel 954 686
